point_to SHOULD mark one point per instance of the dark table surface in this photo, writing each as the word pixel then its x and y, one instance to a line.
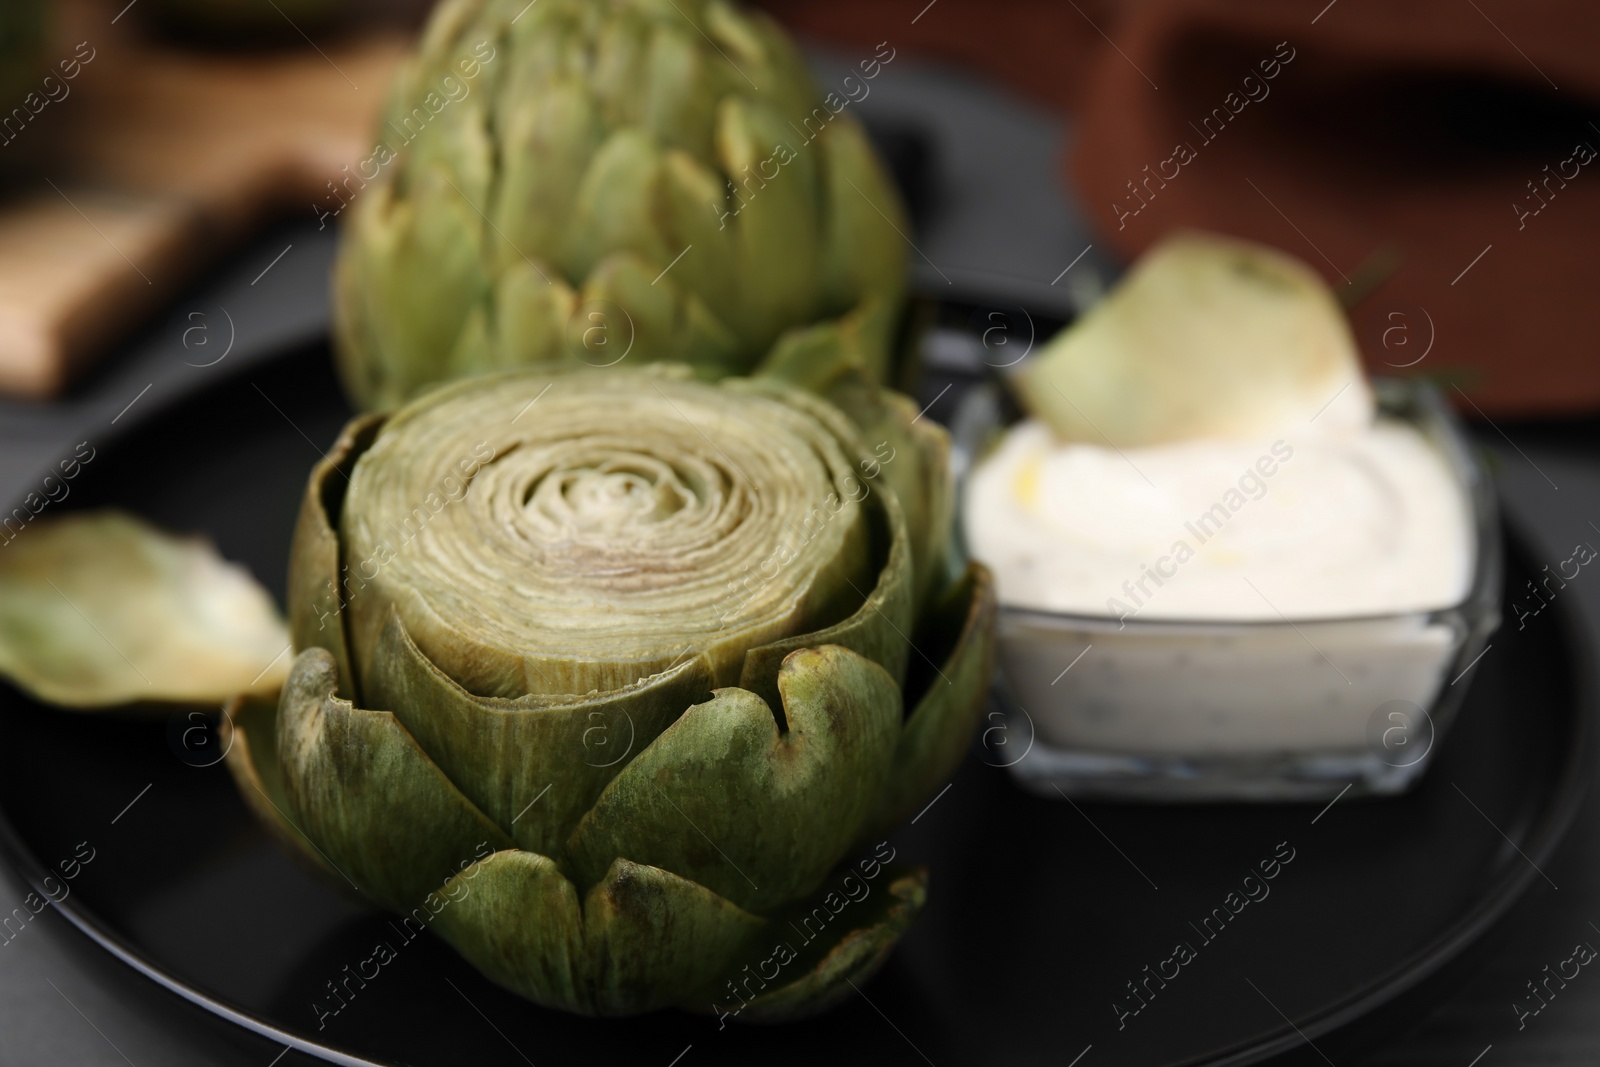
pixel 998 226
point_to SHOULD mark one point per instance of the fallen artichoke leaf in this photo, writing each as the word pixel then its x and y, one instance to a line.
pixel 100 609
pixel 1207 337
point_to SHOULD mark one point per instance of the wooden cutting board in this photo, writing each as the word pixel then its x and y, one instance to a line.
pixel 153 161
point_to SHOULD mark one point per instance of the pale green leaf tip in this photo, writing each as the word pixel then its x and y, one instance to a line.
pixel 101 609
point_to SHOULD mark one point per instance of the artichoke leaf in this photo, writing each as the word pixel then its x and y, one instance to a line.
pixel 550 45
pixel 1206 337
pixel 445 33
pixel 615 204
pixel 661 322
pixel 252 759
pixel 826 971
pixel 913 457
pixel 879 629
pixel 532 312
pixel 316 591
pixel 642 938
pixel 757 815
pixel 883 430
pixel 618 71
pixel 652 935
pixel 680 94
pixel 765 54
pixel 532 764
pixel 517 918
pixel 99 609
pixel 460 153
pixel 421 273
pixel 736 31
pixel 946 702
pixel 864 258
pixel 775 218
pixel 359 787
pixel 860 341
pixel 356 332
pixel 550 135
pixel 473 352
pixel 810 356
pixel 694 215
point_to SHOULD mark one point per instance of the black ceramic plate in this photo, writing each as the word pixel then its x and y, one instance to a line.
pixel 1040 914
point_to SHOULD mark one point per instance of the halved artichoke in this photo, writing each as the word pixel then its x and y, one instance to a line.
pixel 583 180
pixel 601 676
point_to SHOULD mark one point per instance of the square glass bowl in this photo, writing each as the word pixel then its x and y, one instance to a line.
pixel 1210 711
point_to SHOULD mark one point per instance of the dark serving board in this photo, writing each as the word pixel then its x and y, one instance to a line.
pixel 1040 912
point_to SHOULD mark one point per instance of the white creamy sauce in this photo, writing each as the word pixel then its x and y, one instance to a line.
pixel 1321 525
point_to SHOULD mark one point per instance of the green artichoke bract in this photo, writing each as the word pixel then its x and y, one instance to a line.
pixel 614 669
pixel 589 180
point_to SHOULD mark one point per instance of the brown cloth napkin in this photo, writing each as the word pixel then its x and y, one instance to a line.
pixel 1450 142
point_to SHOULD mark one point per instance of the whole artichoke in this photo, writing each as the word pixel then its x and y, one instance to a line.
pixel 601 676
pixel 574 180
